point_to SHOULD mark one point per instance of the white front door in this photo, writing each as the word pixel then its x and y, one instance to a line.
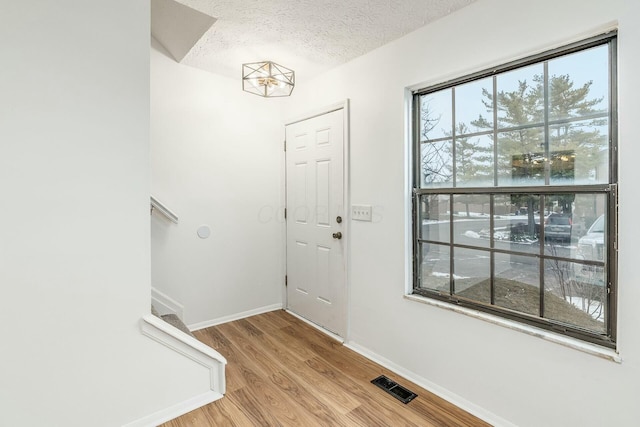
pixel 316 221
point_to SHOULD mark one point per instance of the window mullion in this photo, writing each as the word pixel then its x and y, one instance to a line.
pixel 454 181
pixel 492 275
pixel 417 245
pixel 612 261
pixel 547 155
pixel 453 136
pixel 451 248
pixel 613 112
pixel 417 161
pixel 541 240
pixel 495 130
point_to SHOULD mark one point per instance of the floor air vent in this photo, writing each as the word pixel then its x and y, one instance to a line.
pixel 394 389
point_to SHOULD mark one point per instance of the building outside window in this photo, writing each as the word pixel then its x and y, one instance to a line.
pixel 514 198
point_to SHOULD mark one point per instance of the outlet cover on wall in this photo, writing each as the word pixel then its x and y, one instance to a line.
pixel 361 212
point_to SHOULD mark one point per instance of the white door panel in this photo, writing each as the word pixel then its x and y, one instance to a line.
pixel 315 193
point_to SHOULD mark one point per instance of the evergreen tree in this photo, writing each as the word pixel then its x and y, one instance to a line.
pixel 521 151
pixel 474 161
pixel 583 139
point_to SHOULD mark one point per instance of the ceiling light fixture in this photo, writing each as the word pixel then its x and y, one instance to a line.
pixel 267 79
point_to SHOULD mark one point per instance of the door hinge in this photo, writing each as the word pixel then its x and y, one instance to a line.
pixel 285 213
pixel 285 145
pixel 286 280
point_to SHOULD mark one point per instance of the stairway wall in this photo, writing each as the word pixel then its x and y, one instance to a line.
pixel 216 160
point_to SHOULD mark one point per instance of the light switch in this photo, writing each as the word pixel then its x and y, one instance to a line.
pixel 361 212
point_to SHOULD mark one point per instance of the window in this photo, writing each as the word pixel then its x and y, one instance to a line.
pixel 514 191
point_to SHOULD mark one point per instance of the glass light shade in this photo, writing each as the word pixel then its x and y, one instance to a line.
pixel 267 79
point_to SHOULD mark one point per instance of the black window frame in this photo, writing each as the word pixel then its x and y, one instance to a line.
pixel 609 189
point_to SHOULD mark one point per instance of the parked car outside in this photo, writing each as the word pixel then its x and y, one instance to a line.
pixel 591 245
pixel 591 248
pixel 557 226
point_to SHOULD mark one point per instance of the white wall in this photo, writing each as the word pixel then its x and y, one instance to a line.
pixel 216 159
pixel 74 209
pixel 512 377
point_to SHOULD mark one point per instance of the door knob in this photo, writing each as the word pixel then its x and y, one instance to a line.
pixel 337 235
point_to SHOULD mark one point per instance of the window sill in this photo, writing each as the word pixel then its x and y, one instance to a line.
pixel 585 347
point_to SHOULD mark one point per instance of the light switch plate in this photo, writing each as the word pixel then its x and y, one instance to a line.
pixel 361 212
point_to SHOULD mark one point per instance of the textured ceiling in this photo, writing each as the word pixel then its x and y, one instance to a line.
pixel 178 27
pixel 309 36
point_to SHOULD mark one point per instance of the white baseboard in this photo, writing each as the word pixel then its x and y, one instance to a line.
pixel 175 411
pixel 449 396
pixel 232 317
pixel 165 304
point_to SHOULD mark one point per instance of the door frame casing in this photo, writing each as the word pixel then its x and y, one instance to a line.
pixel 346 296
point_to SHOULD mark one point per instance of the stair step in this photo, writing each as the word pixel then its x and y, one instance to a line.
pixel 175 321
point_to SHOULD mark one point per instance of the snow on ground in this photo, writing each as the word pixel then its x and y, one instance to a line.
pixel 472 234
pixel 447 275
pixel 594 308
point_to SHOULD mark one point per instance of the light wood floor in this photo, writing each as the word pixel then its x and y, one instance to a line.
pixel 283 372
